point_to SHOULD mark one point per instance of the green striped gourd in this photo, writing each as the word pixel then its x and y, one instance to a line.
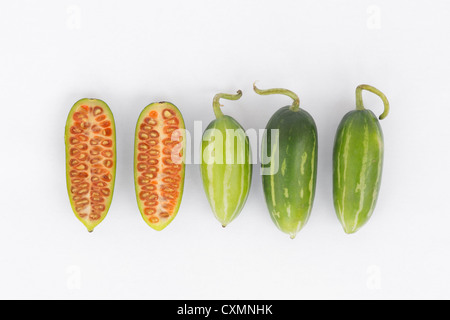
pixel 289 178
pixel 358 163
pixel 226 167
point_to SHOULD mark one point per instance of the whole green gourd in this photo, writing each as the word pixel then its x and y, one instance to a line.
pixel 226 166
pixel 358 163
pixel 289 164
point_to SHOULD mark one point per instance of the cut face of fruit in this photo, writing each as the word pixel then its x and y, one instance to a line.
pixel 159 163
pixel 90 160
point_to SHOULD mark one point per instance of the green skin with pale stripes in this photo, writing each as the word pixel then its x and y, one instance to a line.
pixel 290 188
pixel 357 168
pixel 226 168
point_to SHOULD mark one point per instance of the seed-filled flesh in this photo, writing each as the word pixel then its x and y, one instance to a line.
pixel 90 160
pixel 159 163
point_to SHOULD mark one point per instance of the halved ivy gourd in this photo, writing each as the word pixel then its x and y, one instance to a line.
pixel 90 139
pixel 226 167
pixel 358 163
pixel 159 165
pixel 289 164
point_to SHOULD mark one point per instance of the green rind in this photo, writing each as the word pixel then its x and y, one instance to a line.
pixel 226 183
pixel 289 185
pixel 108 111
pixel 143 114
pixel 357 168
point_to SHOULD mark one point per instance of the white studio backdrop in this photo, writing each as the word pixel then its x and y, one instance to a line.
pixel 132 53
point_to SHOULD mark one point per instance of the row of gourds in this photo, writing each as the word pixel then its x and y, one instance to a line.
pixel 288 174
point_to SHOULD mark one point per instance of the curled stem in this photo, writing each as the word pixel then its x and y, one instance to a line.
pixel 217 97
pixel 295 104
pixel 359 100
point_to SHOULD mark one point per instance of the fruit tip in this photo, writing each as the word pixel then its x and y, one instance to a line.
pixel 350 231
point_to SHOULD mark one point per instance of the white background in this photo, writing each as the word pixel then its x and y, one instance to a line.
pixel 132 53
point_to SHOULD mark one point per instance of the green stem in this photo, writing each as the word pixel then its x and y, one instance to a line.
pixel 217 97
pixel 359 100
pixel 295 105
